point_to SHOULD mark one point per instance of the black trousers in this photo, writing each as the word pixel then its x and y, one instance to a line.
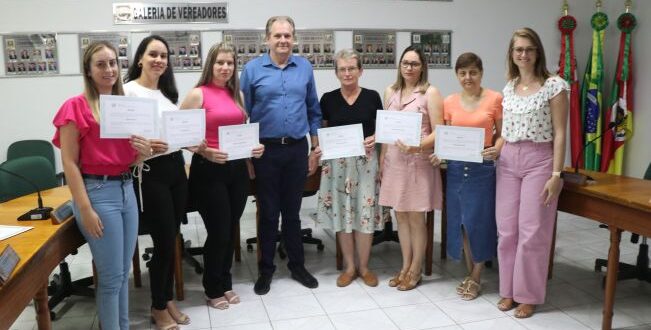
pixel 281 173
pixel 220 192
pixel 165 194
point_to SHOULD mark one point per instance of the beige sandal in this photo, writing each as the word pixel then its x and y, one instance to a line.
pixel 232 297
pixel 160 324
pixel 472 290
pixel 218 303
pixel 462 286
pixel 177 315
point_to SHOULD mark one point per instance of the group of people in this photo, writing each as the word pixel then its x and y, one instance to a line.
pixel 120 184
pixel 503 206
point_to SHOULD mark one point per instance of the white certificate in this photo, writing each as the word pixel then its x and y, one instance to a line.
pixel 459 143
pixel 184 128
pixel 123 116
pixel 341 141
pixel 393 125
pixel 238 141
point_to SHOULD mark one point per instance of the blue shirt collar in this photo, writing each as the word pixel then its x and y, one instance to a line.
pixel 266 60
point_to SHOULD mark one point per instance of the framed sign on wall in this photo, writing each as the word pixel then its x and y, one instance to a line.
pixel 377 48
pixel 119 40
pixel 31 54
pixel 435 46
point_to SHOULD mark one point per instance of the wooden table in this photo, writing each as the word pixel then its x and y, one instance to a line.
pixel 40 251
pixel 623 204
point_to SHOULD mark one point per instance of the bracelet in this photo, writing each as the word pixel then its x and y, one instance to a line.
pixel 556 174
pixel 312 148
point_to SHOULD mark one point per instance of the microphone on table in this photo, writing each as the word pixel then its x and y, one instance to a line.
pixel 574 176
pixel 39 213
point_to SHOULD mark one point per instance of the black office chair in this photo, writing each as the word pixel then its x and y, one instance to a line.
pixel 640 270
pixel 189 251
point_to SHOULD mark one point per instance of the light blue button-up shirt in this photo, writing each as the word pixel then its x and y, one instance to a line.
pixel 282 100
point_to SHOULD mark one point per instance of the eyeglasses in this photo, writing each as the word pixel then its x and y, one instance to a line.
pixel 522 50
pixel 350 69
pixel 413 65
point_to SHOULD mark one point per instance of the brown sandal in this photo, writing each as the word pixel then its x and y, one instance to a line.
pixel 506 304
pixel 472 290
pixel 410 281
pixel 524 311
pixel 396 279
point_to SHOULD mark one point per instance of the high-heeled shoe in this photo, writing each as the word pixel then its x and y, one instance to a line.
pixel 410 281
pixel 177 315
pixel 161 324
pixel 396 279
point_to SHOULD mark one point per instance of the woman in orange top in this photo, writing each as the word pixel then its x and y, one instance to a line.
pixel 470 192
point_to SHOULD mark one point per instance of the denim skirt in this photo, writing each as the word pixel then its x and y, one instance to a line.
pixel 470 203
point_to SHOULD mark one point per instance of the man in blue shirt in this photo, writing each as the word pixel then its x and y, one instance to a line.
pixel 280 95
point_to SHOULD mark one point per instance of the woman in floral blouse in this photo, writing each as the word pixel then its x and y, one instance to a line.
pixel 535 109
pixel 349 188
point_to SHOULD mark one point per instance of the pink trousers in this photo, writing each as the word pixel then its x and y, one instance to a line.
pixel 524 224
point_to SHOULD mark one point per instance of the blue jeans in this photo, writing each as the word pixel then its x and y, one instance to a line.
pixel 115 204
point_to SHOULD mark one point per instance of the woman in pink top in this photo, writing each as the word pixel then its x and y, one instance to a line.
pixel 97 172
pixel 219 186
pixel 409 184
pixel 470 189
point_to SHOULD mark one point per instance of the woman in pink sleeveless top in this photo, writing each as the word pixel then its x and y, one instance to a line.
pixel 409 184
pixel 219 186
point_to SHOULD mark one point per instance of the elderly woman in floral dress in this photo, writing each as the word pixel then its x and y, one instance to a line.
pixel 349 187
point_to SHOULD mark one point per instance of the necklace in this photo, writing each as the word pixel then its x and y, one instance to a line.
pixel 523 86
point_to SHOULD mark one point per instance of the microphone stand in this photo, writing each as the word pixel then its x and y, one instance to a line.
pixel 39 213
pixel 574 177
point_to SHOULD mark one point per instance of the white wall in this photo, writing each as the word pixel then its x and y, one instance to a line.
pixel 27 105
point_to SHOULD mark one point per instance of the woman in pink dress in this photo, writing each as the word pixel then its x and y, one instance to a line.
pixel 409 184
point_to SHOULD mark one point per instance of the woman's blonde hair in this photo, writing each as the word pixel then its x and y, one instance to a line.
pixel 422 84
pixel 90 90
pixel 347 54
pixel 233 84
pixel 540 67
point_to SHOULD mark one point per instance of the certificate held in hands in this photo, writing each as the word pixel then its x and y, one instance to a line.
pixel 459 143
pixel 391 126
pixel 185 128
pixel 341 141
pixel 123 116
pixel 238 141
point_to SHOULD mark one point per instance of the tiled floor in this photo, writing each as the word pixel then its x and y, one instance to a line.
pixel 574 295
